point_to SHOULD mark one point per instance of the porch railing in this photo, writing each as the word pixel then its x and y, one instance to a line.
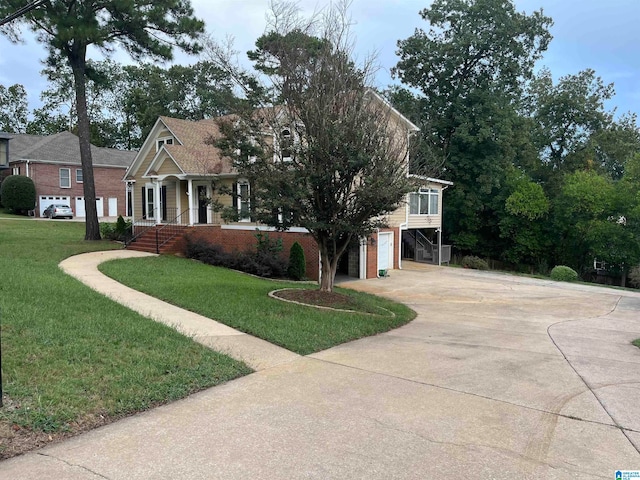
pixel 423 250
pixel 139 227
pixel 171 229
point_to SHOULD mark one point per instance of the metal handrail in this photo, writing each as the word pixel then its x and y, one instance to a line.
pixel 145 223
pixel 171 229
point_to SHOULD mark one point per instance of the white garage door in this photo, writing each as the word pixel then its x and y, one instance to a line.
pixel 46 200
pixel 80 210
pixel 385 250
pixel 113 207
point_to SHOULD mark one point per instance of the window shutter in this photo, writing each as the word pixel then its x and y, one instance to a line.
pixel 144 203
pixel 234 196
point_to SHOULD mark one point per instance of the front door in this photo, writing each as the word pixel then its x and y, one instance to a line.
pixel 202 204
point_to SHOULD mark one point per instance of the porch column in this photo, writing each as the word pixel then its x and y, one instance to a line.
pixel 439 246
pixel 158 208
pixel 190 200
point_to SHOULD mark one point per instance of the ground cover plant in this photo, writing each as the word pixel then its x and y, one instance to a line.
pixel 242 302
pixel 73 359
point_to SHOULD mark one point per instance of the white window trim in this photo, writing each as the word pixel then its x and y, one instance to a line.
pixel 425 195
pixel 79 170
pixel 68 177
pixel 277 153
pixel 240 184
pixel 15 171
pixel 151 212
pixel 160 141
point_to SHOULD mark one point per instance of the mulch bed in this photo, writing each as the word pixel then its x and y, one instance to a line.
pixel 319 298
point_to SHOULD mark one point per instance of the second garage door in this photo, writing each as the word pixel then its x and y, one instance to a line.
pixel 80 210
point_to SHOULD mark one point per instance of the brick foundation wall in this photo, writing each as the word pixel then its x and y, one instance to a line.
pixel 232 240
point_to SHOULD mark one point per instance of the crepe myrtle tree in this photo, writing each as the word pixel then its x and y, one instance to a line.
pixel 68 28
pixel 326 152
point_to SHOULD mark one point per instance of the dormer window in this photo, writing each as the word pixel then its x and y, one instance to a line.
pixel 163 141
pixel 286 144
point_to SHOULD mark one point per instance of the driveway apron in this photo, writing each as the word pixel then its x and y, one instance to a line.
pixel 499 377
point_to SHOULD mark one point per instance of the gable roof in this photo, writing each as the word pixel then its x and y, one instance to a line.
pixel 63 148
pixel 192 151
pixel 193 154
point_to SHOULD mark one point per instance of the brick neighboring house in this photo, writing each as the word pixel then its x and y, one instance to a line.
pixel 53 163
pixel 172 178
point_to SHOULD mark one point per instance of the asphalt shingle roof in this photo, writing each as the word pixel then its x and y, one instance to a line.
pixel 64 148
pixel 195 155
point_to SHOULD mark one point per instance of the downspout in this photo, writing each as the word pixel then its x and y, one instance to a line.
pixel 363 259
pixel 377 253
pixel 27 167
pixel 401 228
pixel 444 187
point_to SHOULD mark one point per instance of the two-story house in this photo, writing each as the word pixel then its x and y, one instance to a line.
pixel 178 171
pixel 53 163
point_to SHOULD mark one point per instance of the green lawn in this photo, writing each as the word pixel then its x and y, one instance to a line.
pixel 71 357
pixel 241 301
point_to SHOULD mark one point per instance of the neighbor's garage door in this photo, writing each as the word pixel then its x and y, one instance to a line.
pixel 46 200
pixel 80 210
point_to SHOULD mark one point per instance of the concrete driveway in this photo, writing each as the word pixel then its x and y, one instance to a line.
pixel 499 377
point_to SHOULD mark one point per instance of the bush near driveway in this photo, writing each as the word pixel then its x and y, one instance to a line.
pixel 18 194
pixel 563 273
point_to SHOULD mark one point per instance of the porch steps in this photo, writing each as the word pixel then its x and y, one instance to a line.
pixel 147 241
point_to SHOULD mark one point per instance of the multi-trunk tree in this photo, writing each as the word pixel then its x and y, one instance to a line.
pixel 325 153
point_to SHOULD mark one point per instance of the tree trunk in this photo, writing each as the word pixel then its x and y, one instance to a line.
pixel 77 60
pixel 327 272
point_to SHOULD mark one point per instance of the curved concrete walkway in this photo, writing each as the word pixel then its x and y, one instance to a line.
pixel 253 351
pixel 499 377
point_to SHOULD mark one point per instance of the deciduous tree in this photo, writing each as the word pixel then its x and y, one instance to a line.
pixel 13 109
pixel 470 66
pixel 337 161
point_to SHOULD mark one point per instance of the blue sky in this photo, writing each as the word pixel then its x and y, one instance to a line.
pixel 597 34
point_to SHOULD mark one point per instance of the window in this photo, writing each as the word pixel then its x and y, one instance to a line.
pixel 65 178
pixel 78 175
pixel 244 204
pixel 424 202
pixel 151 209
pixel 163 141
pixel 15 171
pixel 286 144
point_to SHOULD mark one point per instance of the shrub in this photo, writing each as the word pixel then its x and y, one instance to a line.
pixel 119 230
pixel 471 261
pixel 297 263
pixel 266 245
pixel 18 194
pixel 262 264
pixel 563 273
